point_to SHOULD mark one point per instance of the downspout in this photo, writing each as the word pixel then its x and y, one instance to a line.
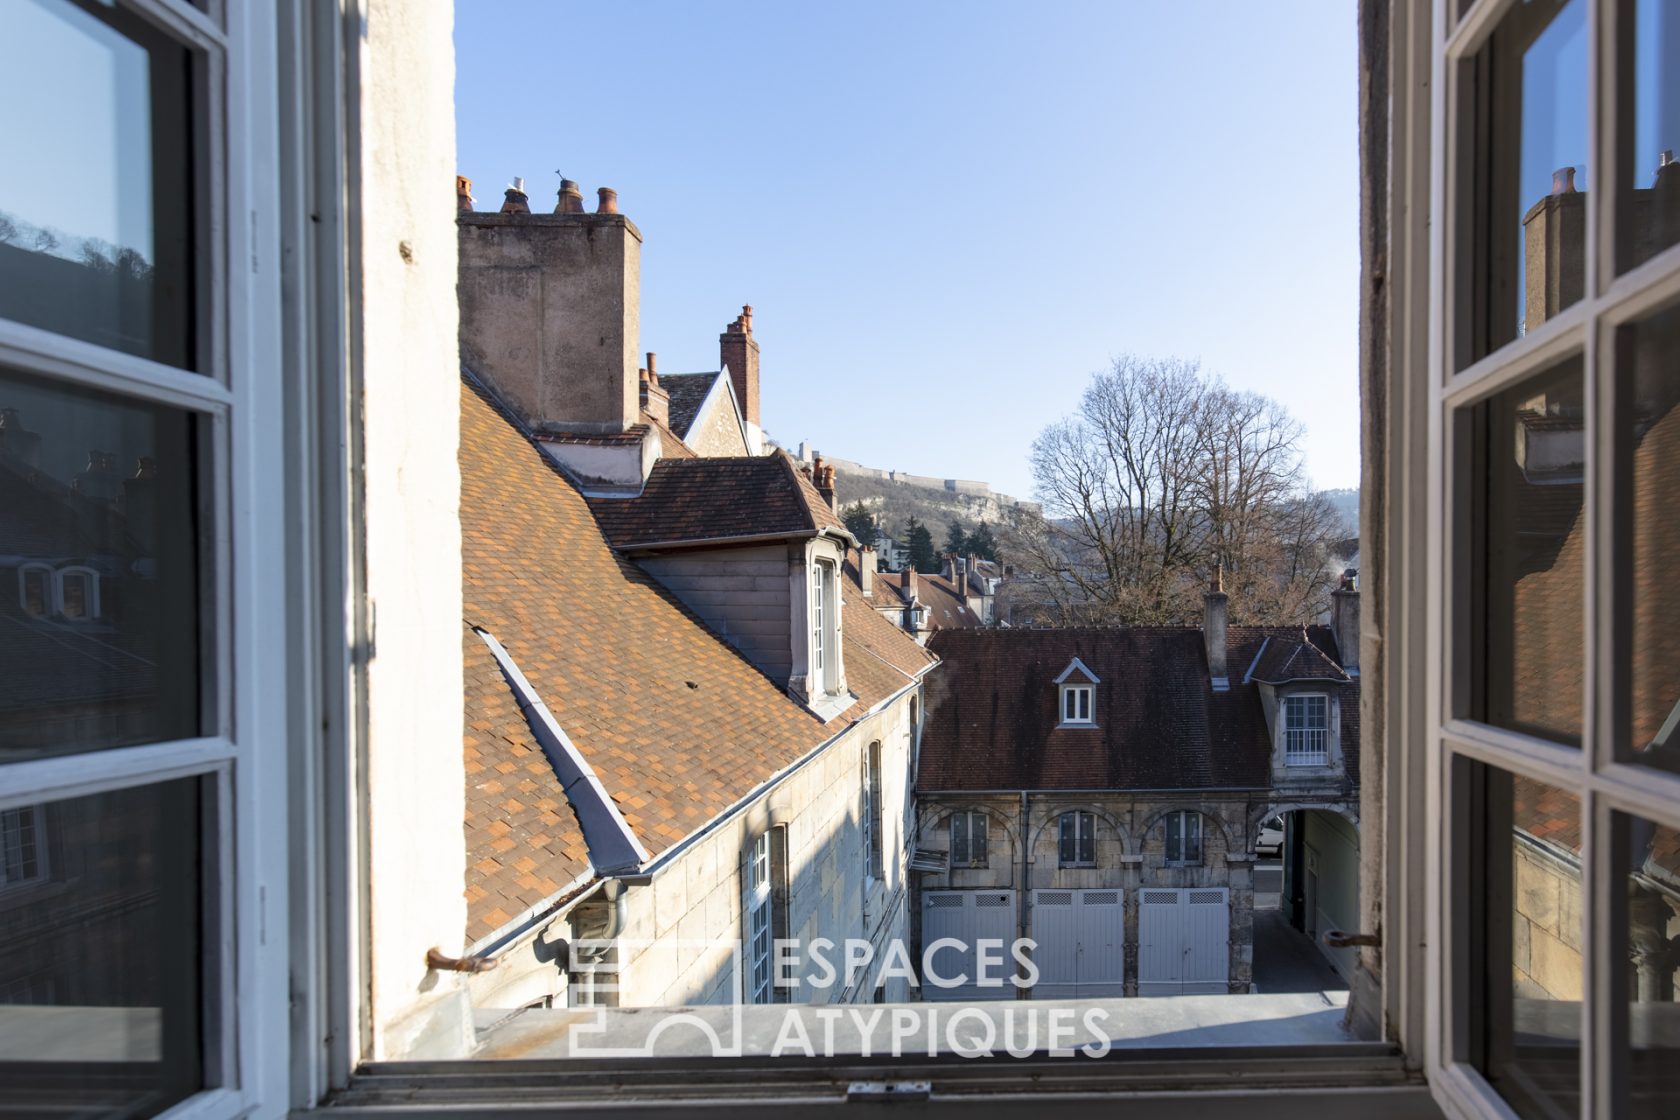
pixel 1024 918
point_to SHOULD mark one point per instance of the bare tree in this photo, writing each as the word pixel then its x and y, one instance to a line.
pixel 1162 474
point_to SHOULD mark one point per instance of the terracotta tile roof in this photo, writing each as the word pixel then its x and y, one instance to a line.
pixel 706 499
pixel 674 721
pixel 992 719
pixel 946 609
pixel 688 392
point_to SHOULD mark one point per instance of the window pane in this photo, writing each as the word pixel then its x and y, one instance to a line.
pixel 1649 470
pixel 105 485
pixel 101 982
pixel 1526 245
pixel 95 190
pixel 1653 1028
pixel 1653 174
pixel 1526 947
pixel 1529 535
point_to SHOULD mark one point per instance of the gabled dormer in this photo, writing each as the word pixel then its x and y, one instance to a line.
pixel 1302 690
pixel 1076 696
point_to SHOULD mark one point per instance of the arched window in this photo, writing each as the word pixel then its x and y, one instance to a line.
pixel 1184 838
pixel 35 590
pixel 77 593
pixel 1078 847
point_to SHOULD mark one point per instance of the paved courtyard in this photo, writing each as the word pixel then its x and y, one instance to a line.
pixel 1285 961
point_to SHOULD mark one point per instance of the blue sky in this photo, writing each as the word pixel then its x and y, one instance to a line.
pixel 947 215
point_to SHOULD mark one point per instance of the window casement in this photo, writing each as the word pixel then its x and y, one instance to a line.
pixel 765 905
pixel 155 742
pixel 1546 427
pixel 1078 846
pixel 968 839
pixel 23 847
pixel 873 839
pixel 1306 730
pixel 1183 838
pixel 825 612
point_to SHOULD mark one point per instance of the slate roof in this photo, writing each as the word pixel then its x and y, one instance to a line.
pixel 991 718
pixel 688 392
pixel 692 501
pixel 1282 659
pixel 673 720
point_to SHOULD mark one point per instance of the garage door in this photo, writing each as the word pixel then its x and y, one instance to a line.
pixel 1184 942
pixel 967 917
pixel 1080 939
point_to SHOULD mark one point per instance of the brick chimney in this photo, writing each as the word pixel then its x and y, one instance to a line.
pixel 739 353
pixel 866 569
pixel 907 578
pixel 1554 250
pixel 656 402
pixel 551 311
pixel 463 193
pixel 1344 620
pixel 1213 631
pixel 822 476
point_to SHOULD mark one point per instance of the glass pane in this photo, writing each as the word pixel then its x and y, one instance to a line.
pixel 99 620
pixel 95 189
pixel 1527 244
pixel 1649 468
pixel 1529 532
pixel 1653 1028
pixel 1654 175
pixel 101 981
pixel 1528 948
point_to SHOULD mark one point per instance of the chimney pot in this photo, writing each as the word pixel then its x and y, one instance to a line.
pixel 463 193
pixel 570 200
pixel 515 200
pixel 609 201
pixel 653 374
pixel 1563 181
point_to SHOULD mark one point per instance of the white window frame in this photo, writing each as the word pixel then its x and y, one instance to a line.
pixel 1432 73
pixel 1183 827
pixel 968 860
pixel 238 399
pixel 874 840
pixel 1081 699
pixel 759 929
pixel 825 645
pixel 1305 755
pixel 93 613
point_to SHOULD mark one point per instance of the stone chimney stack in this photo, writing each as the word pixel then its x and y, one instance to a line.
pixel 551 310
pixel 656 402
pixel 1213 631
pixel 739 352
pixel 866 569
pixel 1344 620
pixel 960 567
pixel 1554 250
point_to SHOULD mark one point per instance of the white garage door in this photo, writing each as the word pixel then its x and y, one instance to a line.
pixel 967 918
pixel 1184 942
pixel 1080 939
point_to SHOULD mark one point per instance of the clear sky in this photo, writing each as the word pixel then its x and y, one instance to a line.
pixel 947 215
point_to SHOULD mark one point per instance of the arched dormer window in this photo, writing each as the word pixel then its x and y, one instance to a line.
pixel 77 592
pixel 35 590
pixel 1077 696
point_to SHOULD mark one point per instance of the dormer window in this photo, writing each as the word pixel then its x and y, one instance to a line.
pixel 35 590
pixel 78 593
pixel 1306 730
pixel 1078 695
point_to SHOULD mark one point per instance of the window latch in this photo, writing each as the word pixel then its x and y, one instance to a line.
pixel 1336 939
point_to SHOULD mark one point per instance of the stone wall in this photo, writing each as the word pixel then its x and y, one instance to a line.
pixel 1546 929
pixel 719 432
